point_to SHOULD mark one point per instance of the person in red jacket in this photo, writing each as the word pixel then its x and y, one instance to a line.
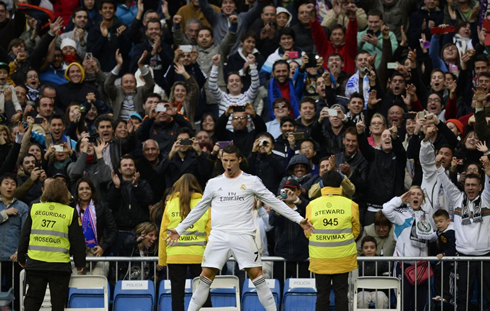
pixel 340 41
pixel 65 8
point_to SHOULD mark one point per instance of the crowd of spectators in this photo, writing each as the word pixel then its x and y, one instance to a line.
pixel 120 98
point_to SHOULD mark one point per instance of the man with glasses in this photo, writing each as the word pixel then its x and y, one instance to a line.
pixel 282 108
pixel 241 136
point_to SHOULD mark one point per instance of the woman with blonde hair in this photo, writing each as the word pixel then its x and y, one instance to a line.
pixel 414 228
pixel 188 252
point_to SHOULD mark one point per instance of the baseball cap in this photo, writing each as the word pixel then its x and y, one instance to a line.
pixel 291 184
pixel 4 66
pixel 136 115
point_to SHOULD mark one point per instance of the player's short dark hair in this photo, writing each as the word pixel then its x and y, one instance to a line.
pixel 232 149
pixel 441 213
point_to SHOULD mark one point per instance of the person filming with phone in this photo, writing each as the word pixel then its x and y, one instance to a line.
pixel 185 157
pixel 162 123
pixel 241 136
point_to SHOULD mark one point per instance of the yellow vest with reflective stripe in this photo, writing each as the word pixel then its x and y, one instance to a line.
pixel 49 232
pixel 333 240
pixel 191 244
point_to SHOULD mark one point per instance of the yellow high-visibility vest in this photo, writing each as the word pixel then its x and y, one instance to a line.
pixel 191 244
pixel 49 232
pixel 332 246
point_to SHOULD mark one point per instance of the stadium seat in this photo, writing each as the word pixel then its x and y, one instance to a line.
pixel 165 295
pixel 225 292
pixel 134 296
pixel 379 283
pixel 299 295
pixel 7 297
pixel 250 300
pixel 88 292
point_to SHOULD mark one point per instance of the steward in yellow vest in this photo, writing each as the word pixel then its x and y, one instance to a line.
pixel 187 254
pixel 332 247
pixel 52 232
pixel 190 247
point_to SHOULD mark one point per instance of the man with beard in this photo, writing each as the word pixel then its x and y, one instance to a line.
pixel 282 86
pixel 159 53
pixel 30 179
pixel 386 170
pixel 79 34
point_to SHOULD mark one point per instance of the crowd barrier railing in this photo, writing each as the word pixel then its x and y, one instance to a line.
pixel 474 299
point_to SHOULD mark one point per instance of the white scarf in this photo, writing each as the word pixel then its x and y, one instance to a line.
pixel 353 86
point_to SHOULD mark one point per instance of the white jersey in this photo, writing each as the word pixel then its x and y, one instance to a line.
pixel 231 201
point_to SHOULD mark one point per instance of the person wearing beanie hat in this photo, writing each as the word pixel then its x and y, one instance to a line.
pixel 69 50
pixel 456 127
pixel 76 90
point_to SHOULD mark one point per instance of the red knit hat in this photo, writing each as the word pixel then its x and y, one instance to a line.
pixel 459 125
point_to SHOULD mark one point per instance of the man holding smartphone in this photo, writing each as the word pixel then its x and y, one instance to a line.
pixel 185 157
pixel 241 136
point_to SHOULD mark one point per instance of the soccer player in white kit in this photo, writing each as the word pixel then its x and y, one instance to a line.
pixel 231 197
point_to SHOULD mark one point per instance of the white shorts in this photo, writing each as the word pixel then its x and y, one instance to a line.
pixel 242 246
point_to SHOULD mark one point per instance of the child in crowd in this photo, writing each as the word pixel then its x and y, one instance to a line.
pixel 446 246
pixel 371 268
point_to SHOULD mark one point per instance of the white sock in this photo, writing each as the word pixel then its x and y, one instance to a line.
pixel 200 295
pixel 265 295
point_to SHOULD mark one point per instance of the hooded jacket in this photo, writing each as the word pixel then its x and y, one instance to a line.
pixel 297 159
